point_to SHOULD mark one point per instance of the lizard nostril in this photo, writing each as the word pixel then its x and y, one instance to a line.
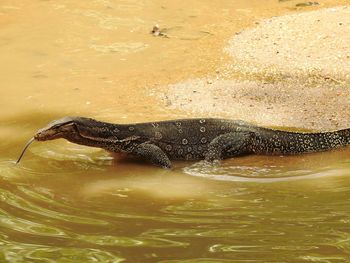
pixel 39 136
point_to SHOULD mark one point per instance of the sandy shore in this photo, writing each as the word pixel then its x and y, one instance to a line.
pixel 315 42
pixel 292 70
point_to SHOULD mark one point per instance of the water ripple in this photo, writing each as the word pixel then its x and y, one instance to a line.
pixel 243 173
pixel 25 226
pixel 21 252
pixel 23 204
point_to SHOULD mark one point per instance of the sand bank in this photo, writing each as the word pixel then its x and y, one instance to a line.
pixel 292 70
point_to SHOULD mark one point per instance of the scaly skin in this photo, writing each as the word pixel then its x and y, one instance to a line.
pixel 190 139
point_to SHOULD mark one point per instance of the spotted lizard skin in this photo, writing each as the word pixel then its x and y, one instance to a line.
pixel 193 139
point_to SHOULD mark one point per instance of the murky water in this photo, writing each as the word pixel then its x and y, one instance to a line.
pixel 68 203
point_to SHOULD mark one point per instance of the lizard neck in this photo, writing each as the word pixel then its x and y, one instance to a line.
pixel 92 133
pixel 111 137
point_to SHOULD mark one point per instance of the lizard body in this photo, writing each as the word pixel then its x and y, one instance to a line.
pixel 190 139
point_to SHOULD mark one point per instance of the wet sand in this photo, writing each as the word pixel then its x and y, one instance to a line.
pixel 292 70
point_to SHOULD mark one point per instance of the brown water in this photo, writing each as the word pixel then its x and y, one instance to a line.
pixel 68 203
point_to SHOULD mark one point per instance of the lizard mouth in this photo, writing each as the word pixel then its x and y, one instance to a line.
pixel 44 135
pixel 56 131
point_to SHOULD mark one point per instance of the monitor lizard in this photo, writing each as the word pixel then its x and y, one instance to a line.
pixel 189 139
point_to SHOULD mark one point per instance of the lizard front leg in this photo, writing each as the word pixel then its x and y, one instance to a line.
pixel 228 145
pixel 152 153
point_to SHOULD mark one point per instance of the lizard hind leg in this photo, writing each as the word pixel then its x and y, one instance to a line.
pixel 229 145
pixel 152 153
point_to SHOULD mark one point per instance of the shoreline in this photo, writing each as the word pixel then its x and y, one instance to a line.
pixel 270 90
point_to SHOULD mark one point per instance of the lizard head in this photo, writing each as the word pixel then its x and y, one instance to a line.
pixel 86 131
pixel 57 129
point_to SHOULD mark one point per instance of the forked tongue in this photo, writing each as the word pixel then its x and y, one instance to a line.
pixel 25 148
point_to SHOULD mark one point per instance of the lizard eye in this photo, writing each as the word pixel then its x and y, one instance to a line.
pixel 66 127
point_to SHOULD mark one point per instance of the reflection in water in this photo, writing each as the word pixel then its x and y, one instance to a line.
pixel 162 184
pixel 68 203
pixel 265 169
